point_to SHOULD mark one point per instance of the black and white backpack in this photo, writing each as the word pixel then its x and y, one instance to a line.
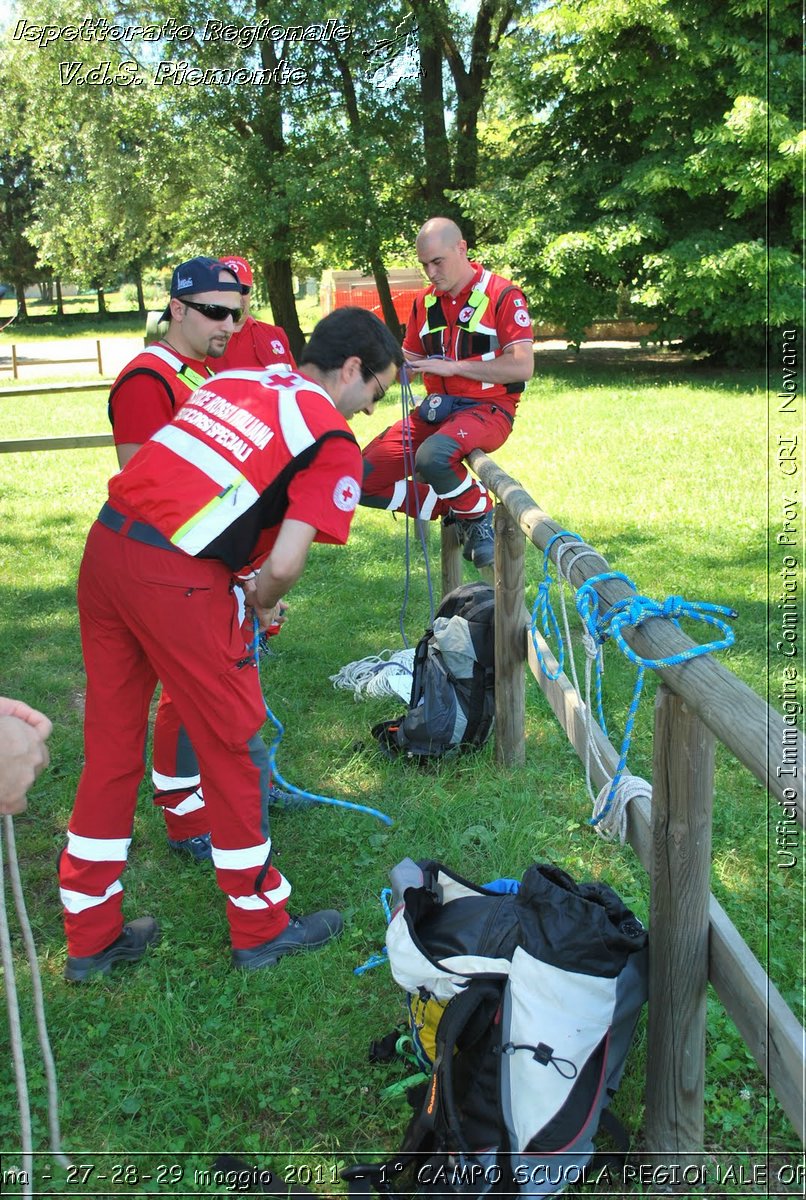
pixel 452 705
pixel 534 996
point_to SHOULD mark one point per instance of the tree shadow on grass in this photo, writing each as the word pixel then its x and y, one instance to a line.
pixel 605 366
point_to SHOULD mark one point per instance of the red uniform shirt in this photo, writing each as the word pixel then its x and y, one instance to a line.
pixel 149 390
pixel 255 346
pixel 244 453
pixel 487 316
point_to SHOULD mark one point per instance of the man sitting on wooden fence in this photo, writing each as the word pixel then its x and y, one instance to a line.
pixel 470 335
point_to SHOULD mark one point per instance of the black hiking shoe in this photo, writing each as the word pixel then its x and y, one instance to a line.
pixel 301 933
pixel 136 937
pixel 478 539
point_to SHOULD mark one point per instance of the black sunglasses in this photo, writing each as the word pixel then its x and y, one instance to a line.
pixel 215 312
pixel 380 397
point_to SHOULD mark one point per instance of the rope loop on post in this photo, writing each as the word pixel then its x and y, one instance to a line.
pixel 609 807
pixel 631 613
pixel 542 605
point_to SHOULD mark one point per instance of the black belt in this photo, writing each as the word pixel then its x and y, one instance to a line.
pixel 137 530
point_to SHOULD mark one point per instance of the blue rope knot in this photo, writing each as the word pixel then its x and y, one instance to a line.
pixel 674 607
pixel 632 612
pixel 635 611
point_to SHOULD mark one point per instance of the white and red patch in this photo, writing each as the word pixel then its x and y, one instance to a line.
pixel 522 317
pixel 346 494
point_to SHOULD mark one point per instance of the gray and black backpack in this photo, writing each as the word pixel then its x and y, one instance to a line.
pixel 523 1004
pixel 452 705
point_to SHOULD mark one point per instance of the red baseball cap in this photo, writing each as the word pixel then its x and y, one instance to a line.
pixel 241 268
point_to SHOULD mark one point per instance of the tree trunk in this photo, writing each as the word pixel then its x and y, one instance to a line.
pixel 59 300
pixel 436 150
pixel 101 301
pixel 280 286
pixel 385 295
pixel 19 289
pixel 138 283
pixel 374 255
pixel 277 271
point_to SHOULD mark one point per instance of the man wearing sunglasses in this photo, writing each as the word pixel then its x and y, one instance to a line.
pixel 203 309
pixel 254 344
pixel 254 468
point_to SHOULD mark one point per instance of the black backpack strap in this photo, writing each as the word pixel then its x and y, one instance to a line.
pixel 161 380
pixel 440 1101
pixel 482 678
pixel 418 668
pixel 616 1131
pixel 505 292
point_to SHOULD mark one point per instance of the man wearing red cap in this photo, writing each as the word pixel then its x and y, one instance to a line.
pixel 254 344
pixel 203 310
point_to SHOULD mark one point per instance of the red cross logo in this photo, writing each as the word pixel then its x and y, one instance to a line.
pixel 346 493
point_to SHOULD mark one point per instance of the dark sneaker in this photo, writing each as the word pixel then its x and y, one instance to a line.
pixel 279 798
pixel 199 848
pixel 129 947
pixel 479 540
pixel 301 933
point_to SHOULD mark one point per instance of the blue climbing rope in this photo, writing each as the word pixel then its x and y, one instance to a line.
pixel 543 607
pixel 407 403
pixel 632 612
pixel 309 797
pixel 377 960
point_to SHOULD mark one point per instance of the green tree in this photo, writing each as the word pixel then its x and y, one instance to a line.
pixel 450 132
pixel 18 256
pixel 101 159
pixel 650 150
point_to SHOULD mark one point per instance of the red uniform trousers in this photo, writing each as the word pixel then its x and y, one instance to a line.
pixel 147 614
pixel 175 774
pixel 442 483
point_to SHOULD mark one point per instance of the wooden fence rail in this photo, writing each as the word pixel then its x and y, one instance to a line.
pixel 692 936
pixel 16 363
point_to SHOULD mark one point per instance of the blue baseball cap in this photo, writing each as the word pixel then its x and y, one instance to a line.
pixel 200 274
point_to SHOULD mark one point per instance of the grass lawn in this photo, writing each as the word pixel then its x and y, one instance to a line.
pixel 83 321
pixel 661 468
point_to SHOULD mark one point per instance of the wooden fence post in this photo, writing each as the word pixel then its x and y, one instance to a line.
pixel 451 558
pixel 14 360
pixel 98 356
pixel 510 642
pixel 682 801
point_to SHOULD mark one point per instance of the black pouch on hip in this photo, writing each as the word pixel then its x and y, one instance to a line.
pixel 438 407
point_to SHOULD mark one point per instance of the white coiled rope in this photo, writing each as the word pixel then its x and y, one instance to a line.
pixel 15 1029
pixel 384 674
